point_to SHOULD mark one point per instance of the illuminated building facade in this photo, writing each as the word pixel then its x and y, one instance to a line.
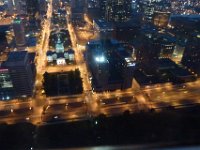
pixel 153 46
pixel 98 64
pixel 6 85
pixel 147 9
pixel 116 10
pixel 161 19
pixel 191 56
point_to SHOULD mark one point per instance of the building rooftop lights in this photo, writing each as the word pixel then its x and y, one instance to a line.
pixel 100 59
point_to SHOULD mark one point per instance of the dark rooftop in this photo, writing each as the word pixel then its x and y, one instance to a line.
pixel 144 79
pixel 165 63
pixel 181 72
pixel 71 51
pixel 31 57
pixel 16 56
pixel 123 53
pixel 103 24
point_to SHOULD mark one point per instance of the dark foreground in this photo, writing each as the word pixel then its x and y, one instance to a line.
pixel 171 127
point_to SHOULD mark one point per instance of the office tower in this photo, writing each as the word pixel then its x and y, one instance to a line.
pixel 153 47
pixel 6 85
pixel 116 10
pixel 105 29
pixel 98 64
pixel 78 8
pixel 110 64
pixel 3 40
pixel 16 6
pixel 125 64
pixel 147 51
pixel 32 7
pixel 167 47
pixel 134 4
pixel 161 19
pixel 78 3
pixel 147 10
pixel 20 71
pixel 163 6
pixel 102 6
pixel 191 56
pixel 92 3
pixel 100 70
pixel 56 4
pixel 43 7
pixel 10 7
pixel 19 32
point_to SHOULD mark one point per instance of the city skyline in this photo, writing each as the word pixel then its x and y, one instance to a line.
pixel 94 61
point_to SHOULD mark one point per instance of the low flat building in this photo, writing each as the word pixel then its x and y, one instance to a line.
pixel 160 72
pixel 105 29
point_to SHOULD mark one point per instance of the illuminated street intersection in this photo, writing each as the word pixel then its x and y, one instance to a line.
pixel 41 109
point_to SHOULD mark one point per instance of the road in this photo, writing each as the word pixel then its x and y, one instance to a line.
pixel 174 95
pixel 80 62
pixel 53 69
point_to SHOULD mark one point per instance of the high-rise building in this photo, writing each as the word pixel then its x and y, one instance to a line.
pixel 78 3
pixel 10 7
pixel 6 85
pixel 18 74
pixel 32 7
pixel 16 6
pixel 19 32
pixel 92 3
pixel 3 40
pixel 42 7
pixel 155 46
pixel 102 6
pixel 191 56
pixel 134 4
pixel 98 64
pixel 147 10
pixel 161 19
pixel 105 29
pixel 110 64
pixel 147 50
pixel 78 8
pixel 126 66
pixel 116 10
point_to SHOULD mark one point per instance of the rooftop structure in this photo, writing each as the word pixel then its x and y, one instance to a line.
pixel 17 58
